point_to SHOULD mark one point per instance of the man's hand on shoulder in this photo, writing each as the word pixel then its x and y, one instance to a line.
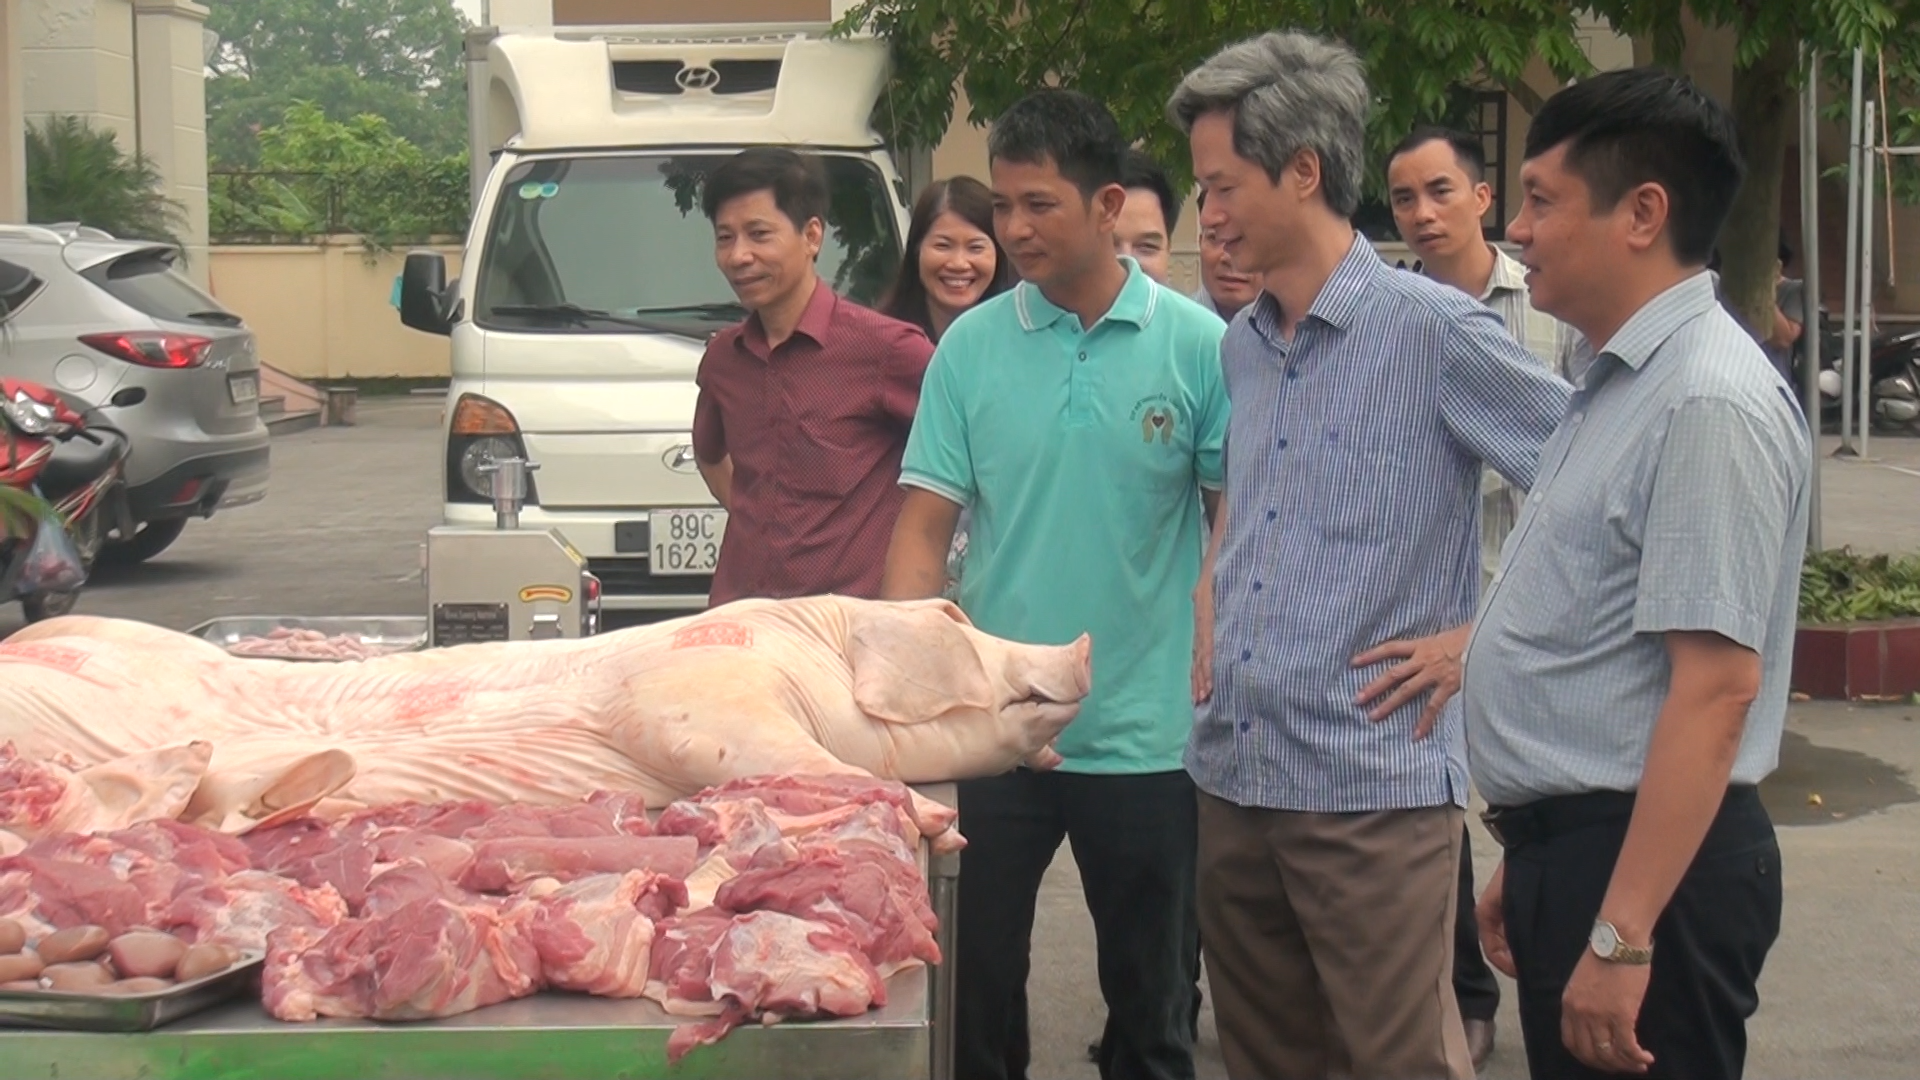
pixel 1429 665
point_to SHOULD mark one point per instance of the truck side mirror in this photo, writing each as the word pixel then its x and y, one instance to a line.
pixel 423 293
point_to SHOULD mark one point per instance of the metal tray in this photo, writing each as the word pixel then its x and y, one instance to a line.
pixel 131 1012
pixel 392 633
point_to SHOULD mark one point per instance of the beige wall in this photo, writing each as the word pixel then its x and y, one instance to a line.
pixel 323 311
pixel 13 161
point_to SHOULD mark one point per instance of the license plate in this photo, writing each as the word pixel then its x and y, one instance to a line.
pixel 685 542
pixel 243 388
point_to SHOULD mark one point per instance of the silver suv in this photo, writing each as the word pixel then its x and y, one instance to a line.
pixel 120 327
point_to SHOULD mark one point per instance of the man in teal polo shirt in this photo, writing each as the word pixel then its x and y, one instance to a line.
pixel 1079 414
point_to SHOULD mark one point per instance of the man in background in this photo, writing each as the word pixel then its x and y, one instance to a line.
pixel 1145 228
pixel 1437 188
pixel 1222 288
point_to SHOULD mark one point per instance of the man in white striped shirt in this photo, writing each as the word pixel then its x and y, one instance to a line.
pixel 1437 188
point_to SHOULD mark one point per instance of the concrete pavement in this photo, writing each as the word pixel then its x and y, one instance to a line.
pixel 340 534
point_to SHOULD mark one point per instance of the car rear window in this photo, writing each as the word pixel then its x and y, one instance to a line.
pixel 147 282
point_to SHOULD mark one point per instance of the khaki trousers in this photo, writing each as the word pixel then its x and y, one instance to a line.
pixel 1329 942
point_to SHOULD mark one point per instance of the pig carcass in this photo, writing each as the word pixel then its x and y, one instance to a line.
pixel 821 685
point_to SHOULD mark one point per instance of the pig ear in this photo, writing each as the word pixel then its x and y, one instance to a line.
pixel 153 784
pixel 237 796
pixel 913 663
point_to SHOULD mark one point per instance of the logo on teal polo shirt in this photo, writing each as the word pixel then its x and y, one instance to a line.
pixel 1156 418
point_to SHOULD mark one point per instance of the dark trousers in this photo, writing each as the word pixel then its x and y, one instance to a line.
pixel 1134 839
pixel 1708 945
pixel 1473 981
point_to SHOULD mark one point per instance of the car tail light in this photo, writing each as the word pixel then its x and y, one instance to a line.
pixel 152 348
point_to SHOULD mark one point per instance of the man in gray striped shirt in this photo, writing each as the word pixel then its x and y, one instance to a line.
pixel 1626 682
pixel 1437 188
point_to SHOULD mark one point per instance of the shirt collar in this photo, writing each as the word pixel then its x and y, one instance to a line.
pixel 1339 298
pixel 1508 276
pixel 814 321
pixel 1135 304
pixel 1649 328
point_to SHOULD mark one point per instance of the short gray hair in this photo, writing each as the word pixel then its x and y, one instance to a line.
pixel 1287 92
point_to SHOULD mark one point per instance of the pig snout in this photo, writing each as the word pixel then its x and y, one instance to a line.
pixel 1061 673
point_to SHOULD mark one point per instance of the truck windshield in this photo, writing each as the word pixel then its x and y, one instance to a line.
pixel 617 243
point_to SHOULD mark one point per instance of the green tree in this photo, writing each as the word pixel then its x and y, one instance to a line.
pixel 1767 77
pixel 399 59
pixel 1131 54
pixel 317 175
pixel 76 172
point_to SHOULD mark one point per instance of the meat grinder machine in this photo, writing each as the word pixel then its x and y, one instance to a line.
pixel 506 583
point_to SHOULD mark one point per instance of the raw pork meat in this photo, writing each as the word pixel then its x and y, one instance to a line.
pixel 879 901
pixel 420 955
pixel 245 909
pixel 291 643
pixel 772 965
pixel 821 685
pixel 596 935
pixel 499 865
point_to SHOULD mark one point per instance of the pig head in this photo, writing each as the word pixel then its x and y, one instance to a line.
pixel 956 694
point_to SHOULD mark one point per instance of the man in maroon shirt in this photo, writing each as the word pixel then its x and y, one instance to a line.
pixel 804 407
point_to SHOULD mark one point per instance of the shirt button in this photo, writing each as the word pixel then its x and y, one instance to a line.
pixel 1271 514
pixel 1246 654
pixel 1256 586
pixel 1292 374
pixel 1083 358
pixel 1246 725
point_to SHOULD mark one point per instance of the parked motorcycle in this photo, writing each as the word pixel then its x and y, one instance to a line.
pixel 64 475
pixel 1893 374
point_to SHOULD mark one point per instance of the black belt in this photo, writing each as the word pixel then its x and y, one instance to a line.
pixel 1544 819
pixel 1518 826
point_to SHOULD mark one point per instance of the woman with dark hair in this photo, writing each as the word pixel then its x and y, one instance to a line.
pixel 952 261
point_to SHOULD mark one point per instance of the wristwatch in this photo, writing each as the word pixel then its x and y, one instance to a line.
pixel 1606 944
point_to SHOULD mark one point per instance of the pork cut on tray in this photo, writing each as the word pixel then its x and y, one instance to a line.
pixel 822 685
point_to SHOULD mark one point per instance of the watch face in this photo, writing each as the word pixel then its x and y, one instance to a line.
pixel 1604 939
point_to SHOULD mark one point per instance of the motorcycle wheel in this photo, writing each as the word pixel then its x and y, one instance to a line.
pixel 48 605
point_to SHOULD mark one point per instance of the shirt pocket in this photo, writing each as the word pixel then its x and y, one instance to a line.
pixel 836 439
pixel 1356 490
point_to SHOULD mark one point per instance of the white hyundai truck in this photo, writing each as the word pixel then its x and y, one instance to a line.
pixel 588 287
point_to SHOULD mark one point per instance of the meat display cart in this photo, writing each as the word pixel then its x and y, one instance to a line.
pixel 549 1036
pixel 504 584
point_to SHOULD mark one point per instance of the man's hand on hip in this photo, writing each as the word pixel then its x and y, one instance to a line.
pixel 1429 665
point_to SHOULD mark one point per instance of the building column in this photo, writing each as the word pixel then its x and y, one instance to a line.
pixel 76 59
pixel 171 88
pixel 13 128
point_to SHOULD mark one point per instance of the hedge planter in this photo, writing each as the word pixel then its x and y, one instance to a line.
pixel 1864 661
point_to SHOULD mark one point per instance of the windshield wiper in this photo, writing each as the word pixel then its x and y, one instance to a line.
pixel 581 316
pixel 725 310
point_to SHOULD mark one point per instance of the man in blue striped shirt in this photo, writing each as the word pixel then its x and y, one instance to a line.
pixel 1364 404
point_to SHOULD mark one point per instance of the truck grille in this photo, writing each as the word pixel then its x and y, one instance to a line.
pixel 634 577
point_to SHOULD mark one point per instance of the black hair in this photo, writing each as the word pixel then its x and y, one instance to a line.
pixel 1073 131
pixel 1467 149
pixel 1139 172
pixel 906 299
pixel 798 183
pixel 1648 126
